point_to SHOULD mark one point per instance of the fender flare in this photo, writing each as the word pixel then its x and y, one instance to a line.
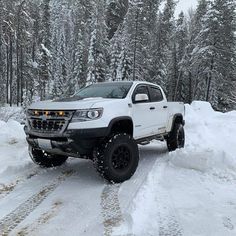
pixel 175 117
pixel 117 119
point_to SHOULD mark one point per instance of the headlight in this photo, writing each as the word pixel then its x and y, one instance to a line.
pixel 87 115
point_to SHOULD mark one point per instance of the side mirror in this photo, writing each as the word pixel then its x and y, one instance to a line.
pixel 142 97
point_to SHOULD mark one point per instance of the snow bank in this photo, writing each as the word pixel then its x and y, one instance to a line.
pixel 13 148
pixel 210 140
pixel 202 107
pixel 12 113
pixel 11 132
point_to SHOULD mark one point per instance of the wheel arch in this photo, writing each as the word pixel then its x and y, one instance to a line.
pixel 121 124
pixel 177 118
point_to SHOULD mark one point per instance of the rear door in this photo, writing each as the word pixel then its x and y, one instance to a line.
pixel 160 109
pixel 142 114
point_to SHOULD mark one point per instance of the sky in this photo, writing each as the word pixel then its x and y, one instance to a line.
pixel 184 5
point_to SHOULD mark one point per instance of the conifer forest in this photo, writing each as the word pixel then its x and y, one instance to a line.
pixel 51 48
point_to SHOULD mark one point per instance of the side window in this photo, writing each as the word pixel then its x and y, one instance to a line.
pixel 156 94
pixel 141 89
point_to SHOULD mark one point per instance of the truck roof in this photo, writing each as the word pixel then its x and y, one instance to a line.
pixel 128 81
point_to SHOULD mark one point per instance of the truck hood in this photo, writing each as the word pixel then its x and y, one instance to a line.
pixel 69 104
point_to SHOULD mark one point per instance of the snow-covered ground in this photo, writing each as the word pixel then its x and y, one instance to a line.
pixel 188 192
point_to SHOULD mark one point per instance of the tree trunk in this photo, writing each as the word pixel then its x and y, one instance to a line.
pixel 209 80
pixel 7 79
pixel 17 72
pixel 21 75
pixel 1 36
pixel 135 45
pixel 190 88
pixel 11 67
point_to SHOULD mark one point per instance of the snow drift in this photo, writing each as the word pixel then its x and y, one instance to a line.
pixel 210 140
pixel 11 132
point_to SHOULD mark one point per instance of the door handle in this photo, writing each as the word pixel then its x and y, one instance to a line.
pixel 152 108
pixel 165 107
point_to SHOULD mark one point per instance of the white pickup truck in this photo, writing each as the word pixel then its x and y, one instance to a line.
pixel 104 122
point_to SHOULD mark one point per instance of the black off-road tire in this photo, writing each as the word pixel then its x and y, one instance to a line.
pixel 117 158
pixel 176 138
pixel 45 159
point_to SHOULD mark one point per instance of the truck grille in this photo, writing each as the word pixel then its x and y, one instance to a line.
pixel 49 121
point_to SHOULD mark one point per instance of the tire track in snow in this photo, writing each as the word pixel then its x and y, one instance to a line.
pixel 111 211
pixel 10 221
pixel 169 226
pixel 168 218
pixel 43 219
pixel 6 189
pixel 152 210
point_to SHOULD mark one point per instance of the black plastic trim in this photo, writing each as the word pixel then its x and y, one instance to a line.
pixel 115 120
pixel 87 133
pixel 150 138
pixel 76 142
pixel 174 119
pixel 133 95
pixel 156 87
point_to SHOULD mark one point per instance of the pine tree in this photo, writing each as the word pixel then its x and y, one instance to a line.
pixel 81 15
pixel 167 32
pixel 78 63
pixel 150 20
pixel 194 84
pixel 158 66
pixel 115 57
pixel 91 77
pixel 136 40
pixel 59 69
pixel 181 39
pixel 214 53
pixel 45 48
pixel 115 13
pixel 226 63
pixel 97 58
pixel 33 82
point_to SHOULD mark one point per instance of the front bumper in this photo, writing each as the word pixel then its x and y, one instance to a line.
pixel 76 143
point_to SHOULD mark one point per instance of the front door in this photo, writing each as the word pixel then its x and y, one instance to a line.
pixel 143 114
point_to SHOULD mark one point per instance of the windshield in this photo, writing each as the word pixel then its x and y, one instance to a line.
pixel 105 90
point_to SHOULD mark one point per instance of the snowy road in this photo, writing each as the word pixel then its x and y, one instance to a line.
pixel 188 192
pixel 70 200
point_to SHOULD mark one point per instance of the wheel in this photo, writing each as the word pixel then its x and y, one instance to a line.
pixel 45 159
pixel 176 138
pixel 118 158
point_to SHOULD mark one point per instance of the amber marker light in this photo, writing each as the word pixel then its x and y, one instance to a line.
pixel 36 113
pixel 46 113
pixel 61 113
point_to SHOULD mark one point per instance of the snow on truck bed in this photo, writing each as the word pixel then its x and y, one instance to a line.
pixel 191 191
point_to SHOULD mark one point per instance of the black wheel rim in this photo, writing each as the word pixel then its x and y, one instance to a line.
pixel 180 138
pixel 121 158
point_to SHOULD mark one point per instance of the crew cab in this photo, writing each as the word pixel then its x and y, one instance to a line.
pixel 104 122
